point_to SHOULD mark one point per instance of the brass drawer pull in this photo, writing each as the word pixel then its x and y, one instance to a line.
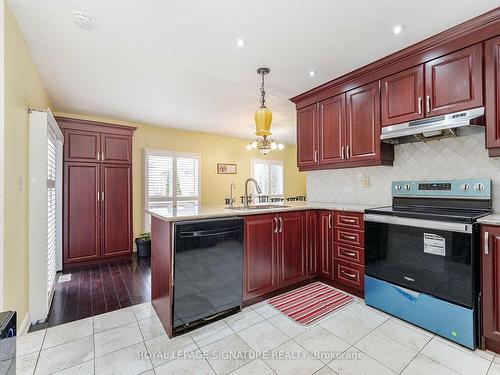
pixel 351 254
pixel 348 237
pixel 348 221
pixel 352 276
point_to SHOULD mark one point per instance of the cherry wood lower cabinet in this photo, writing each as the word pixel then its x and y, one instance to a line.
pixel 275 252
pixel 312 242
pixel 260 255
pixel 490 287
pixel 326 244
pixel 281 250
pixel 349 251
pixel 292 251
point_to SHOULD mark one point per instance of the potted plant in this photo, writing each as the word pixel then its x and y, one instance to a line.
pixel 143 244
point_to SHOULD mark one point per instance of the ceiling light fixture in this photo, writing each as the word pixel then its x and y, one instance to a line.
pixel 263 118
pixel 398 29
pixel 240 42
pixel 312 73
pixel 82 20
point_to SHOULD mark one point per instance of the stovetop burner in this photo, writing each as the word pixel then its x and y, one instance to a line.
pixel 461 201
pixel 432 213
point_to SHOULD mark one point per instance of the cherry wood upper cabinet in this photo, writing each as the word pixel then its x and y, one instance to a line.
pixel 326 244
pixel 312 242
pixel 292 247
pixel 363 123
pixel 490 280
pixel 307 136
pixel 260 255
pixel 454 82
pixel 81 145
pixel 332 129
pixel 492 95
pixel 402 96
pixel 116 199
pixel 116 148
pixel 81 212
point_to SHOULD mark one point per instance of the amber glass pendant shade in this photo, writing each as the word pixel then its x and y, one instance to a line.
pixel 263 119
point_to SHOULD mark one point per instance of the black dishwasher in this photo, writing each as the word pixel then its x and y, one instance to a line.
pixel 208 271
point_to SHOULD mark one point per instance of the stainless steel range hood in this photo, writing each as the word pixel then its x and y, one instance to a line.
pixel 451 125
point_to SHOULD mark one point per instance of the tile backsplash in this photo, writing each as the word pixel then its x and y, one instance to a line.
pixel 450 158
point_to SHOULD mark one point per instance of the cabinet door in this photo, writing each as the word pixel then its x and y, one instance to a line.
pixel 326 243
pixel 490 281
pixel 116 148
pixel 81 212
pixel 260 255
pixel 363 123
pixel 402 96
pixel 80 145
pixel 454 82
pixel 116 199
pixel 307 136
pixel 492 92
pixel 292 248
pixel 312 242
pixel 332 130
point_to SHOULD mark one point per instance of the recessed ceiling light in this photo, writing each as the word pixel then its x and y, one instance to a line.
pixel 240 42
pixel 398 29
pixel 312 73
pixel 82 20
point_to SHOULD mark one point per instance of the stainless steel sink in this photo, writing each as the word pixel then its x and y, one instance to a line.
pixel 257 207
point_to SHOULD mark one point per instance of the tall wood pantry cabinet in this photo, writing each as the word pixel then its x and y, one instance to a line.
pixel 97 191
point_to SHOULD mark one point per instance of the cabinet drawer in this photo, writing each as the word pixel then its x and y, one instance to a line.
pixel 349 274
pixel 350 253
pixel 349 220
pixel 350 237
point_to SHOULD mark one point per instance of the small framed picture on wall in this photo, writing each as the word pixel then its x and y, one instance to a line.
pixel 226 168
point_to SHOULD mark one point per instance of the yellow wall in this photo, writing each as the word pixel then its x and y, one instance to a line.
pixel 213 149
pixel 23 90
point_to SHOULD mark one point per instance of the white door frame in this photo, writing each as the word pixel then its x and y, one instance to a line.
pixel 2 161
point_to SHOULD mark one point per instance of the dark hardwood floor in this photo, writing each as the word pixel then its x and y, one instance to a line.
pixel 98 289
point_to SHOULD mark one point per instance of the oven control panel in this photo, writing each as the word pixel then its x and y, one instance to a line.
pixel 471 188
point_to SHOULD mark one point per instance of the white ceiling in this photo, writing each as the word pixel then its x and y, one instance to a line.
pixel 175 63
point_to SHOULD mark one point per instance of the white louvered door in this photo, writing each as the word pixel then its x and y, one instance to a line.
pixel 45 211
pixel 51 212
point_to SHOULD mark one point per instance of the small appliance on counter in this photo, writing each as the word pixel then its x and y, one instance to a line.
pixel 8 343
pixel 208 271
pixel 422 255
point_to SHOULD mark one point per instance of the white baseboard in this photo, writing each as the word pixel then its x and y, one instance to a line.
pixel 25 325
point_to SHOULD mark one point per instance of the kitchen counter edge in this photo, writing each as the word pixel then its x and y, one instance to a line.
pixel 221 211
pixel 492 219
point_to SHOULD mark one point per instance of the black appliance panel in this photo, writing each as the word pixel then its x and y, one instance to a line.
pixel 395 253
pixel 208 270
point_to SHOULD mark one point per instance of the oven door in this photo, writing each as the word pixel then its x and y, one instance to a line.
pixel 433 257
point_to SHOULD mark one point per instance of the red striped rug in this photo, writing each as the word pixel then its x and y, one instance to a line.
pixel 310 303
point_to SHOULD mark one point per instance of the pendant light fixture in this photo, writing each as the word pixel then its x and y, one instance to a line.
pixel 263 118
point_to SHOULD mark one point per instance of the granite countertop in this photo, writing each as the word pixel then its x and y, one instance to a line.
pixel 492 219
pixel 209 212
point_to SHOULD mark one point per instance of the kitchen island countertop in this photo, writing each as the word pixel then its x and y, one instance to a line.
pixel 210 212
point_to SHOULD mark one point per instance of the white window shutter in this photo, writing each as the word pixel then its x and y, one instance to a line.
pixel 171 181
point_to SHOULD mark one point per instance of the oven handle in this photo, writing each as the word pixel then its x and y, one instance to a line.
pixel 419 223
